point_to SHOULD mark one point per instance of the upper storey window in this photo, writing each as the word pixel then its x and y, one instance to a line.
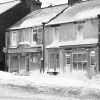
pixel 79 31
pixel 56 33
pixel 34 37
pixel 14 38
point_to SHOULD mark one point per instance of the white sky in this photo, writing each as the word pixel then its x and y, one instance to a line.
pixel 45 3
pixel 53 2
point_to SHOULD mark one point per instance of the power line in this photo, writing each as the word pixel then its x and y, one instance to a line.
pixel 8 2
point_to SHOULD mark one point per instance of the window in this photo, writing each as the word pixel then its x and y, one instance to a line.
pixel 14 38
pixel 23 36
pixel 56 33
pixel 79 31
pixel 34 58
pixel 39 36
pixel 34 35
pixel 80 61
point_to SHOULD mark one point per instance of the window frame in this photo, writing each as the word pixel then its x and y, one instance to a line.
pixel 33 42
pixel 79 32
pixel 13 38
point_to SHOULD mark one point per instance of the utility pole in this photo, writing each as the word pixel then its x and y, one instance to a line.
pixel 99 43
pixel 43 49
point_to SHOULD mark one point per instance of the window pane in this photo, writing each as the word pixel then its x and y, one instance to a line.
pixel 79 57
pixel 84 57
pixel 34 35
pixel 84 65
pixel 52 61
pixel 74 65
pixel 68 60
pixel 74 57
pixel 26 35
pixel 80 66
pixel 20 36
pixel 92 60
pixel 14 38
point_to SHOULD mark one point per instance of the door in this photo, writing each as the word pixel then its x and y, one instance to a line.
pixel 93 66
pixel 67 61
pixel 54 61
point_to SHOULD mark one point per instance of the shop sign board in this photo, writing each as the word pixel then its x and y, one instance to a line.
pixel 92 53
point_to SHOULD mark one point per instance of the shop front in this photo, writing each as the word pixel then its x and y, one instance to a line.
pixel 79 59
pixel 24 60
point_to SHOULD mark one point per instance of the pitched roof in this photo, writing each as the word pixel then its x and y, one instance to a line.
pixel 7 5
pixel 79 11
pixel 38 16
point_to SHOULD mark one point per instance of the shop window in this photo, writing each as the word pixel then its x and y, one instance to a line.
pixel 92 60
pixel 57 56
pixel 74 65
pixel 34 58
pixel 84 57
pixel 74 57
pixel 79 57
pixel 80 61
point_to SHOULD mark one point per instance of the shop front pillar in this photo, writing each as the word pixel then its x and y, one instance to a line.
pixel 71 62
pixel 9 70
pixel 61 61
pixel 27 63
pixel 19 58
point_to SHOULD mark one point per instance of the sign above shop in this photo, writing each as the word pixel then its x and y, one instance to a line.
pixel 92 53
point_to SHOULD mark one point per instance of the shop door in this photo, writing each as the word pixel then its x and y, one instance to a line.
pixel 54 61
pixel 93 67
pixel 67 61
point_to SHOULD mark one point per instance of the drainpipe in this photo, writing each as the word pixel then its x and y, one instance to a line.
pixel 43 49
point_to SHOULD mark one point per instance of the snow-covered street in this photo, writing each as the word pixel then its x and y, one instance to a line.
pixel 63 85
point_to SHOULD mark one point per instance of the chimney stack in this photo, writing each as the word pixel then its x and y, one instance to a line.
pixel 71 2
pixel 32 4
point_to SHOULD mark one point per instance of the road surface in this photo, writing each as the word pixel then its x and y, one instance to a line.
pixel 15 93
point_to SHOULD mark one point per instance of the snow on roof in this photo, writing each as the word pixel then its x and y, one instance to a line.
pixel 54 44
pixel 90 13
pixel 72 43
pixel 79 42
pixel 38 16
pixel 6 6
pixel 79 11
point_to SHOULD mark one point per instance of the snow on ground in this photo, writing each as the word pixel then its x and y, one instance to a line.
pixel 35 78
pixel 77 82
